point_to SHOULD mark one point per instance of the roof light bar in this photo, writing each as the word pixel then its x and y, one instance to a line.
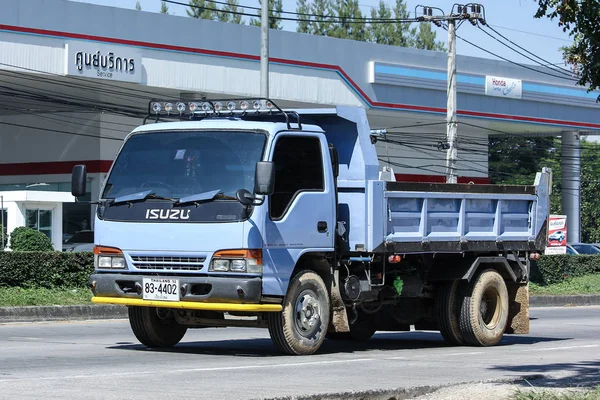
pixel 158 109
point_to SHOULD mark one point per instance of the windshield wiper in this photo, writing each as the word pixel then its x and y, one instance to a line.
pixel 140 196
pixel 205 196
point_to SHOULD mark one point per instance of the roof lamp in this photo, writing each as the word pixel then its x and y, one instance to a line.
pixel 218 106
pixel 231 106
pixel 256 104
pixel 206 107
pixel 193 106
pixel 269 105
pixel 168 107
pixel 180 107
pixel 244 105
pixel 156 108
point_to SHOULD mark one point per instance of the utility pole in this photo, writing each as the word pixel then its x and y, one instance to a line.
pixel 264 49
pixel 451 128
pixel 454 20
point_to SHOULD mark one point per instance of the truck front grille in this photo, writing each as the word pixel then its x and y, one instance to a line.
pixel 168 263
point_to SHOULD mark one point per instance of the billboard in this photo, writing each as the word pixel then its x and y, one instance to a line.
pixel 557 235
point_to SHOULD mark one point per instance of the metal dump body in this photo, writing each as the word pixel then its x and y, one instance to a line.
pixel 425 217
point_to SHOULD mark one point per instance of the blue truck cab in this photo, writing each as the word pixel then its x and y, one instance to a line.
pixel 237 208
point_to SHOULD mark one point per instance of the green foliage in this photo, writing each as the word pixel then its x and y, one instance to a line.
pixel 164 9
pixel 138 6
pixel 3 237
pixel 586 284
pixel 229 13
pixel 45 269
pixel 28 239
pixel 516 160
pixel 18 297
pixel 580 19
pixel 275 8
pixel 558 268
pixel 424 38
pixel 198 9
pixel 558 394
pixel 391 34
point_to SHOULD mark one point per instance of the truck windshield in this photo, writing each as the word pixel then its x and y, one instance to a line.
pixel 183 163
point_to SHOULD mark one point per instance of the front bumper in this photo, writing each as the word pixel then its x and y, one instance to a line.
pixel 200 293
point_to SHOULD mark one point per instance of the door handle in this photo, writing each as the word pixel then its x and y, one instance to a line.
pixel 322 226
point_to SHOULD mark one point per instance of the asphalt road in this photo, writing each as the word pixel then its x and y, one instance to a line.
pixel 102 360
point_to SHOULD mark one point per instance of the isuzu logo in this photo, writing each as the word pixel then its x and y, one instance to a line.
pixel 167 214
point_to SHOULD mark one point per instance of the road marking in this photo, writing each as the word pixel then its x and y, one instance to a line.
pixel 585 346
pixel 212 369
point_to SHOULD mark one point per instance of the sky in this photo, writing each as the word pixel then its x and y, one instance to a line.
pixel 512 18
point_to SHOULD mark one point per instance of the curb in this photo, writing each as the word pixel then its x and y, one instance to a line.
pixel 565 301
pixel 106 311
pixel 401 393
pixel 61 313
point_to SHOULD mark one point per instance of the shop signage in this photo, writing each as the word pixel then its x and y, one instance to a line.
pixel 503 87
pixel 95 60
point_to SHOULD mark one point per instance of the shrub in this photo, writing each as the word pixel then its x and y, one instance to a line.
pixel 28 239
pixel 45 269
pixel 556 268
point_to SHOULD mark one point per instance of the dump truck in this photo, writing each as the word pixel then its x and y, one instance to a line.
pixel 229 213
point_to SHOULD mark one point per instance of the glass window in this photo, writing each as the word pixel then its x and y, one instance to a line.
pixel 298 168
pixel 40 220
pixel 586 249
pixel 179 164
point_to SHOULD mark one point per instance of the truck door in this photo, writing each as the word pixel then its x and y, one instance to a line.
pixel 301 211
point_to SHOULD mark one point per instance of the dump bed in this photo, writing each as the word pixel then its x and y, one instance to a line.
pixel 429 217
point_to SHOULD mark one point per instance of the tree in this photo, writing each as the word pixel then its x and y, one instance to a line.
pixel 303 8
pixel 580 19
pixel 229 13
pixel 138 6
pixel 346 11
pixel 198 9
pixel 322 25
pixel 164 9
pixel 423 37
pixel 275 8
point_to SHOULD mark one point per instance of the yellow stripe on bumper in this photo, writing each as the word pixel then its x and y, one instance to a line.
pixel 187 305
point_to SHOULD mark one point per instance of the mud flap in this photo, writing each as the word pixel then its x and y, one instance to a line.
pixel 518 308
pixel 339 317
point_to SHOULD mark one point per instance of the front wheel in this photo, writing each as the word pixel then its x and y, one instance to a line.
pixel 300 328
pixel 484 311
pixel 155 327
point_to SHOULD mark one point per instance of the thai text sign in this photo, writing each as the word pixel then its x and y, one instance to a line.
pixel 95 60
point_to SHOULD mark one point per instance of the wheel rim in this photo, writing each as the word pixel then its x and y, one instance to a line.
pixel 307 313
pixel 490 309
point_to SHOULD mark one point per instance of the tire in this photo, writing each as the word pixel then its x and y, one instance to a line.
pixel 300 328
pixel 484 310
pixel 155 327
pixel 447 304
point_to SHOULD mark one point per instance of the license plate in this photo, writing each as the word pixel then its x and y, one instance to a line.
pixel 160 289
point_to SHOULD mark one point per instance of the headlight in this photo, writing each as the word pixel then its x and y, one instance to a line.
pixel 249 261
pixel 108 258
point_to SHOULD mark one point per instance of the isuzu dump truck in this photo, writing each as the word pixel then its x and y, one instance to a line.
pixel 220 210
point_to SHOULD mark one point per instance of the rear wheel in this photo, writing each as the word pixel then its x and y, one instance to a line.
pixel 301 326
pixel 155 327
pixel 484 311
pixel 448 311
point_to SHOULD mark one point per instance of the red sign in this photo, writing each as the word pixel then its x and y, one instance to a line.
pixel 557 234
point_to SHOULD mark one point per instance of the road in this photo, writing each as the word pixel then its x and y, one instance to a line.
pixel 102 360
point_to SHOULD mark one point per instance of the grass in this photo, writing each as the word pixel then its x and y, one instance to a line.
pixel 588 284
pixel 581 394
pixel 15 296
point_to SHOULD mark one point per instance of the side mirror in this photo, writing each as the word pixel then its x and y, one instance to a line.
pixel 264 179
pixel 78 180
